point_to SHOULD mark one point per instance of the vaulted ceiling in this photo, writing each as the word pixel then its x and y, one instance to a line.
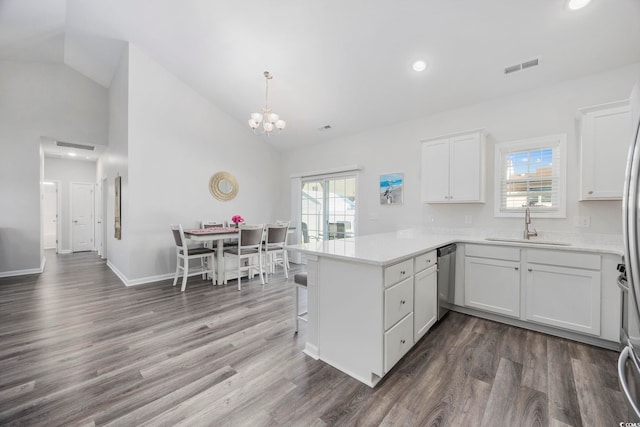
pixel 342 63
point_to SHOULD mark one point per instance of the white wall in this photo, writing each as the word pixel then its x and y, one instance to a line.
pixel 116 163
pixel 545 111
pixel 176 141
pixel 38 100
pixel 67 171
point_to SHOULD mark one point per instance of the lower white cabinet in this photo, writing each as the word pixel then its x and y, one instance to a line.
pixel 397 341
pixel 566 295
pixel 562 289
pixel 398 302
pixel 492 285
pixel 425 301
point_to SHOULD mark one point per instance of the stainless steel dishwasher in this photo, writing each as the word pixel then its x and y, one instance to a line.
pixel 446 278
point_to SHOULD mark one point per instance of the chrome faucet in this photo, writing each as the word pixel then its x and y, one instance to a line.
pixel 527 221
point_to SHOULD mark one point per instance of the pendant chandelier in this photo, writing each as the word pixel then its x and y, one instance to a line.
pixel 268 119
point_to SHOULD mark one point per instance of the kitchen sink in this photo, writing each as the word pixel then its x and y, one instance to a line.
pixel 535 242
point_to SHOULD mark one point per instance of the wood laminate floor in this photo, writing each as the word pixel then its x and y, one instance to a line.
pixel 80 349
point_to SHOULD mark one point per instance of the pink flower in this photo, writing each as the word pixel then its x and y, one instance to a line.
pixel 236 219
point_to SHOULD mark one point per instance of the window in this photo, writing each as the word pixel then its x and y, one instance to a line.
pixel 531 173
pixel 328 208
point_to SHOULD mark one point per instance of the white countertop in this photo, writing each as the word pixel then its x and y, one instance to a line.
pixel 388 248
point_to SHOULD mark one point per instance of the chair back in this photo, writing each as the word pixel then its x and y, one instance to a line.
pixel 276 234
pixel 250 235
pixel 178 234
pixel 212 224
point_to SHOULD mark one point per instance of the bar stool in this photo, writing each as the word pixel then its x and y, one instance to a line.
pixel 300 280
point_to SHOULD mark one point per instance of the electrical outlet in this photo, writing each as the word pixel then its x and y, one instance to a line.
pixel 585 221
pixel 582 221
pixel 468 219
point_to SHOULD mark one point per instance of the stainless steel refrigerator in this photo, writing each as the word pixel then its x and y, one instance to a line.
pixel 629 278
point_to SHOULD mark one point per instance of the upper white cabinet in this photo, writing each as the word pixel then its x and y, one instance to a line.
pixel 453 168
pixel 605 135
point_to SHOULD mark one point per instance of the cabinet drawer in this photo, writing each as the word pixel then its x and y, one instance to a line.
pixel 398 302
pixel 424 261
pixel 397 341
pixel 565 259
pixel 398 272
pixel 495 252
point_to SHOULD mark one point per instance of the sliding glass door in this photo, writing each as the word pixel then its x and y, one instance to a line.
pixel 328 208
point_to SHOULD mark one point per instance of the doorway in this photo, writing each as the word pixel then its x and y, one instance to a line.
pixel 102 224
pixel 50 214
pixel 328 208
pixel 82 217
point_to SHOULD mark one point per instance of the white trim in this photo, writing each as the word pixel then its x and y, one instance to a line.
pixel 522 145
pixel 592 108
pixel 21 272
pixel 481 131
pixel 323 172
pixel 140 281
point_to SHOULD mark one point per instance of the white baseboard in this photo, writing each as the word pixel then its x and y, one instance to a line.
pixel 140 281
pixel 20 272
pixel 150 279
pixel 65 251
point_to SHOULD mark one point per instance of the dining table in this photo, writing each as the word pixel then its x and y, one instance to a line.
pixel 218 235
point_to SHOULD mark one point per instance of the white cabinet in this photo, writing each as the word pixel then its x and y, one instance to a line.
pixel 398 302
pixel 397 341
pixel 492 279
pixel 425 301
pixel 492 285
pixel 563 290
pixel 605 135
pixel 453 168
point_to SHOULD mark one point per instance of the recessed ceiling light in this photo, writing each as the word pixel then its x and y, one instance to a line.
pixel 577 4
pixel 72 154
pixel 419 65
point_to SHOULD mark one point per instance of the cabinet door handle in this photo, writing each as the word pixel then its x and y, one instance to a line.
pixel 530 269
pixel 517 268
pixel 402 341
pixel 403 302
pixel 428 261
pixel 590 192
pixel 402 273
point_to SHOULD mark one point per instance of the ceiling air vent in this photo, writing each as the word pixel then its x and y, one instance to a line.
pixel 78 146
pixel 523 66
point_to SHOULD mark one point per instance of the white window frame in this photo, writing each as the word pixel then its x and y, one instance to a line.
pixel 557 142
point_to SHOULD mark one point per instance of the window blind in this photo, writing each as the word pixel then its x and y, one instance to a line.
pixel 530 178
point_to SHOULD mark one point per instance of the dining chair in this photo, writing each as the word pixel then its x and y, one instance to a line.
pixel 274 252
pixel 247 252
pixel 184 254
pixel 300 280
pixel 288 224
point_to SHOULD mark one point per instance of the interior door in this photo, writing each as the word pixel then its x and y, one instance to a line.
pixel 81 217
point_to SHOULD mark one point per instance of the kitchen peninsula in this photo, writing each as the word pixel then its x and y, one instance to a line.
pixel 372 297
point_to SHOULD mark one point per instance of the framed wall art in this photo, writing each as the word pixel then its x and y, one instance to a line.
pixel 391 186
